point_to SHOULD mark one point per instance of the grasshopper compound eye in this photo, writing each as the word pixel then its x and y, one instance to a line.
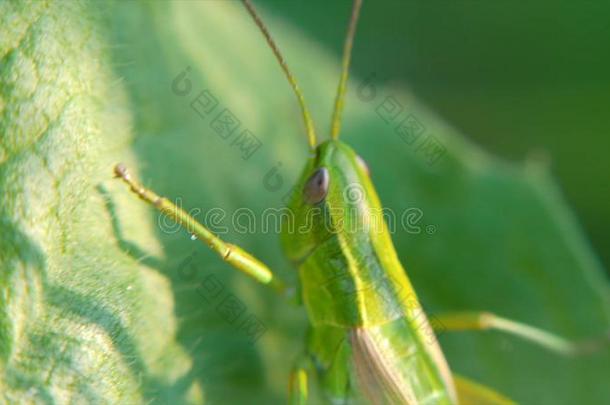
pixel 316 187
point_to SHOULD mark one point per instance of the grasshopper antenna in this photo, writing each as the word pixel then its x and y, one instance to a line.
pixel 347 53
pixel 311 135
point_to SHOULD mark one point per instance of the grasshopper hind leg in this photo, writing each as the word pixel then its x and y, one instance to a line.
pixel 481 321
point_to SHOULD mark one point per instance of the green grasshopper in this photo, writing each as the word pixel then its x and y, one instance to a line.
pixel 369 341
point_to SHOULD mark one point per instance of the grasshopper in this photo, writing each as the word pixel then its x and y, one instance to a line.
pixel 368 341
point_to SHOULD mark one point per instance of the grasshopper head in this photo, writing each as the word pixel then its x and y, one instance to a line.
pixel 332 197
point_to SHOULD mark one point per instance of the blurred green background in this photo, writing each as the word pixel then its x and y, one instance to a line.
pixel 518 78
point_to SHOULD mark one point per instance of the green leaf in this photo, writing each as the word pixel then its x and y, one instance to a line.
pixel 102 300
pixel 81 320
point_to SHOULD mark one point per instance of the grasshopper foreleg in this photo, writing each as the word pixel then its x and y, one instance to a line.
pixel 232 254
